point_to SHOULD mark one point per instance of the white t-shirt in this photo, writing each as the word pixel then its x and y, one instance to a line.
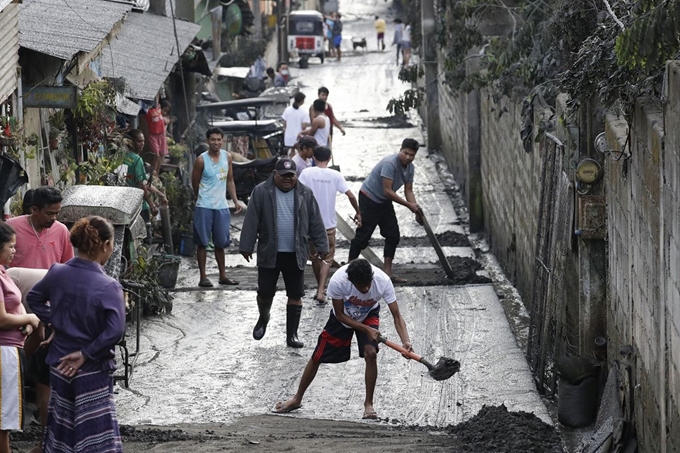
pixel 325 184
pixel 358 304
pixel 301 164
pixel 406 36
pixel 294 119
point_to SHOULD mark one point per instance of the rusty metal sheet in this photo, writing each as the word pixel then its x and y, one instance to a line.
pixel 592 216
pixel 9 49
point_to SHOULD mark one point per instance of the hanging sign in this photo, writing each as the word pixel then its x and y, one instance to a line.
pixel 47 96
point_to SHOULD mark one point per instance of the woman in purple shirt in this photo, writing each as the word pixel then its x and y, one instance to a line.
pixel 87 314
pixel 15 324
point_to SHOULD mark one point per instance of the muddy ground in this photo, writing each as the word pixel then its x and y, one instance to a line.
pixel 493 430
pixel 197 385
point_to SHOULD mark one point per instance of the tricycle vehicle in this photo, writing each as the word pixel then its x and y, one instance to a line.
pixel 306 35
pixel 254 139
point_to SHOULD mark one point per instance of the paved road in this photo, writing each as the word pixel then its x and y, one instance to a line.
pixel 200 364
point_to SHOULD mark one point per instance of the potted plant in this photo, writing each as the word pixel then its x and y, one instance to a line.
pixel 176 152
pixel 181 204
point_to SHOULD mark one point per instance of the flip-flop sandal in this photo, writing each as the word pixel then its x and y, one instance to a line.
pixel 396 279
pixel 228 281
pixel 284 410
pixel 321 301
pixel 205 283
pixel 370 415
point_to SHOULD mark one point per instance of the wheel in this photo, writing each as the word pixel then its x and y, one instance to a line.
pixel 304 63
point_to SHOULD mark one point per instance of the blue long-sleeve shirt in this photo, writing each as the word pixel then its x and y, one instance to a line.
pixel 86 309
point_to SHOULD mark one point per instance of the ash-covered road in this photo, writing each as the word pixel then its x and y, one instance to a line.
pixel 200 364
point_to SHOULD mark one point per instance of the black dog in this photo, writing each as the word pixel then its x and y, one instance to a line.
pixel 356 42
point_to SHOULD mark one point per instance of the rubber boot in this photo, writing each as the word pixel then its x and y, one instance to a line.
pixel 293 313
pixel 261 325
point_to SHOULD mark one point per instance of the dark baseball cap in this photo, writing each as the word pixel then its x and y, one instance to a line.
pixel 285 166
pixel 307 141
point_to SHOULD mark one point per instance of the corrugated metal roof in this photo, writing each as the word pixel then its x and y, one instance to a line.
pixel 62 28
pixel 9 49
pixel 144 52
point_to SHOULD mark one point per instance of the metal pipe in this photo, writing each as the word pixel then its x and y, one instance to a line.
pixel 554 139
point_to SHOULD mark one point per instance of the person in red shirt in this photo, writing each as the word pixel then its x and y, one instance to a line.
pixel 323 95
pixel 157 118
pixel 41 241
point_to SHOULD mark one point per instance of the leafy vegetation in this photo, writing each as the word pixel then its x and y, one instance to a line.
pixel 154 299
pixel 180 202
pixel 413 97
pixel 608 54
pixel 14 137
pixel 103 146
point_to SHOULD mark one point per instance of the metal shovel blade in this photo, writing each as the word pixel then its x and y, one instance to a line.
pixel 444 369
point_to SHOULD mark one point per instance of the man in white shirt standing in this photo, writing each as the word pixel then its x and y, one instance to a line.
pixel 295 120
pixel 326 183
pixel 356 290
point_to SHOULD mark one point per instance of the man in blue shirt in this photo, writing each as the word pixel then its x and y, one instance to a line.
pixel 378 192
pixel 211 177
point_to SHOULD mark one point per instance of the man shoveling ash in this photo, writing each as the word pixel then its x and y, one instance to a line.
pixel 377 193
pixel 356 290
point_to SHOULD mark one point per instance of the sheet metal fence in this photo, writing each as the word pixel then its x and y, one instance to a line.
pixel 553 328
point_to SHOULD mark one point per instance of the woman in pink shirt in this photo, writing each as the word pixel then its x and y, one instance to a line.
pixel 15 325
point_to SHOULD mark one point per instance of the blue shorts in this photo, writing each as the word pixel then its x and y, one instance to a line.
pixel 212 222
pixel 337 40
pixel 406 45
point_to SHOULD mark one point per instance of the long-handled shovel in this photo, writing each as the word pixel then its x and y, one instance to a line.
pixel 437 248
pixel 444 369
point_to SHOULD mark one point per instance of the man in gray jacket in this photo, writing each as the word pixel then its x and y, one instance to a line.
pixel 283 217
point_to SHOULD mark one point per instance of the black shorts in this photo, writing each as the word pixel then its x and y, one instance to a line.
pixel 38 369
pixel 293 277
pixel 334 344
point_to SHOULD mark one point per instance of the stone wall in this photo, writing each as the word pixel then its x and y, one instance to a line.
pixel 509 178
pixel 670 249
pixel 643 198
pixel 453 119
pixel 511 186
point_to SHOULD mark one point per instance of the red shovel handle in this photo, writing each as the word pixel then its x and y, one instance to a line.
pixel 396 347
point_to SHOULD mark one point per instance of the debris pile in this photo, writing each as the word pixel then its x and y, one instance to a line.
pixel 496 430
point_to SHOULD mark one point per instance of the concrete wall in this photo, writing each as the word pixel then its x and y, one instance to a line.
pixel 512 190
pixel 510 178
pixel 453 114
pixel 643 225
pixel 643 197
pixel 670 248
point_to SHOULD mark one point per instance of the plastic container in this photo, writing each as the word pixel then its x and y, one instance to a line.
pixel 577 403
pixel 168 268
pixel 186 245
